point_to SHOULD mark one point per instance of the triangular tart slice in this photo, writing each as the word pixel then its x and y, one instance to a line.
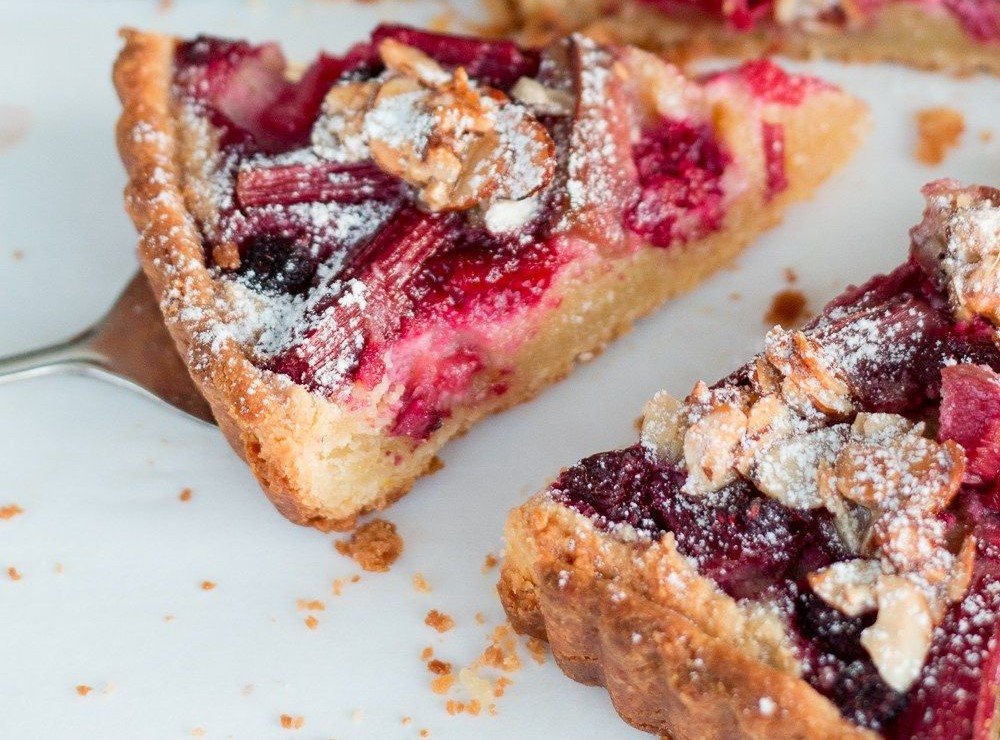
pixel 361 260
pixel 810 547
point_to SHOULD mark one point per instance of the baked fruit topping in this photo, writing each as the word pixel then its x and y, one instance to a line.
pixel 823 522
pixel 428 228
pixel 956 35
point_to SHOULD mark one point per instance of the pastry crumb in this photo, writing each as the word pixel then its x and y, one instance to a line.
pixel 198 732
pixel 420 583
pixel 310 605
pixel 790 275
pixel 490 563
pixel 502 651
pixel 425 733
pixel 406 720
pixel 185 495
pixel 443 684
pixel 374 545
pixel 357 715
pixel 788 309
pixel 83 689
pixel 207 585
pixel 427 653
pixel 480 618
pixel 311 622
pixel 538 649
pixel 13 573
pixel 434 465
pixel 500 686
pixel 18 255
pixel 439 621
pixel 735 296
pixel 169 617
pixel 10 511
pixel 986 136
pixel 440 667
pixel 59 568
pixel 290 722
pixel 938 131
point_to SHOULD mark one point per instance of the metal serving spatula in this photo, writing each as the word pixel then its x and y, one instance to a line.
pixel 130 347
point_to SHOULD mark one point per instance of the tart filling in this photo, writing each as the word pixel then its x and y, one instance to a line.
pixel 389 224
pixel 979 19
pixel 847 480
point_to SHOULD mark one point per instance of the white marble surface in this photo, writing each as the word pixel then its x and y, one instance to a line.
pixel 98 471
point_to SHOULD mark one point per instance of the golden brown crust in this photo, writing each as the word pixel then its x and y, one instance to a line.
pixel 324 465
pixel 677 656
pixel 900 32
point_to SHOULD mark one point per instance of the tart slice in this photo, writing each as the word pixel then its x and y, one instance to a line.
pixel 809 548
pixel 360 262
pixel 956 35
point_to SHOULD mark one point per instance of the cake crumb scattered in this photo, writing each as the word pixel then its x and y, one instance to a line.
pixel 420 583
pixel 357 715
pixel 439 667
pixel 735 296
pixel 185 495
pixel 439 621
pixel 14 573
pixel 480 618
pixel 425 733
pixel 338 587
pixel 248 689
pixel 791 277
pixel 443 684
pixel 198 732
pixel 10 511
pixel 374 545
pixel 502 651
pixel 538 650
pixel 310 605
pixel 311 622
pixel 427 653
pixel 500 686
pixel 18 255
pixel 788 309
pixel 207 585
pixel 490 563
pixel 169 617
pixel 355 578
pixel 938 131
pixel 406 720
pixel 83 689
pixel 59 569
pixel 986 136
pixel 434 465
pixel 292 723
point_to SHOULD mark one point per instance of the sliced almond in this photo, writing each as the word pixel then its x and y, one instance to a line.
pixel 788 470
pixel 540 99
pixel 809 380
pixel 900 639
pixel 663 427
pixel 848 586
pixel 411 62
pixel 338 134
pixel 710 446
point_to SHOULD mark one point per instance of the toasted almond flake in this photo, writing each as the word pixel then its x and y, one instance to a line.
pixel 900 639
pixel 849 586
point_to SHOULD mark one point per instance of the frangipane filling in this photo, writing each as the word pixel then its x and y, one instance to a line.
pixel 393 220
pixel 849 479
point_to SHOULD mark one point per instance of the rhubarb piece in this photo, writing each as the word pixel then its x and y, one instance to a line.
pixel 970 415
pixel 328 182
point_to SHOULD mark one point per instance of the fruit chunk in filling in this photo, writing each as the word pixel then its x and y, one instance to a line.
pixel 394 219
pixel 898 350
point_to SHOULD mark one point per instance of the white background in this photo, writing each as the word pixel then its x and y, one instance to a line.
pixel 98 471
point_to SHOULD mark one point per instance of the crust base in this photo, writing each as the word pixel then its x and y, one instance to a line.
pixel 677 656
pixel 323 464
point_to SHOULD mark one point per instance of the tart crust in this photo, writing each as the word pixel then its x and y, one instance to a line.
pixel 674 652
pixel 323 464
pixel 899 32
